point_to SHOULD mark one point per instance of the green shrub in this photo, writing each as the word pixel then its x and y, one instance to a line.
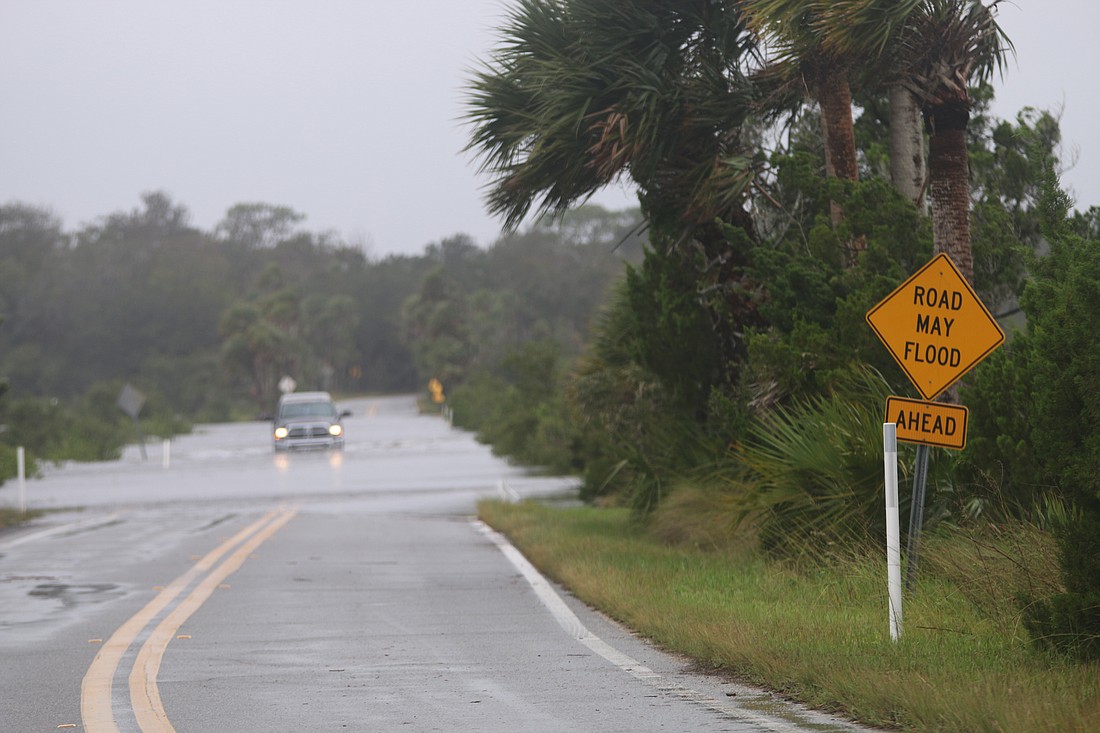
pixel 90 429
pixel 1037 409
pixel 519 409
pixel 815 304
pixel 814 470
pixel 9 463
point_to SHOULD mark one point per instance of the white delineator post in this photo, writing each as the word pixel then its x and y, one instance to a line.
pixel 893 531
pixel 21 472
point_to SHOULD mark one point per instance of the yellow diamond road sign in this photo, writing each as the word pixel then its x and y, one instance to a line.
pixel 935 326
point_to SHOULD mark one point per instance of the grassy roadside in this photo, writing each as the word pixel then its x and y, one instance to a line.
pixel 820 637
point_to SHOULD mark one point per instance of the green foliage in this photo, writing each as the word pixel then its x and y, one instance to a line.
pixel 1009 159
pixel 672 336
pixel 9 463
pixel 580 93
pixel 501 327
pixel 815 305
pixel 54 432
pixel 437 330
pixel 140 295
pixel 258 225
pixel 642 427
pixel 1035 412
pixel 519 410
pixel 1065 364
pixel 91 428
pixel 478 305
pixel 277 331
pixel 1070 621
pixel 1086 224
pixel 811 472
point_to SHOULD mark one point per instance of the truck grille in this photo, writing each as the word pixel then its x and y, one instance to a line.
pixel 311 432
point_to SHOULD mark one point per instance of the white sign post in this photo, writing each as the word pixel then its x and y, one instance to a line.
pixel 131 400
pixel 893 528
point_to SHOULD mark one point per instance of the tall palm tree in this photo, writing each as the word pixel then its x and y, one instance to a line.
pixel 792 32
pixel 869 30
pixel 948 45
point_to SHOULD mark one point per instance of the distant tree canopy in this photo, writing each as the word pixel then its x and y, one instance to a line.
pixel 208 322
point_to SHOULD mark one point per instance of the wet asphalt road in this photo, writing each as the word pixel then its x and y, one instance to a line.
pixel 223 588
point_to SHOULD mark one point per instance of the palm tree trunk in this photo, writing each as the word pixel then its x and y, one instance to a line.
pixel 949 173
pixel 907 160
pixel 835 97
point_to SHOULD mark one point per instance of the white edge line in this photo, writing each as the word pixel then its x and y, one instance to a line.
pixel 575 628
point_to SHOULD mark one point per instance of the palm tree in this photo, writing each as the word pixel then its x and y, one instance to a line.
pixel 581 93
pixel 947 45
pixel 869 30
pixel 791 28
pixel 816 46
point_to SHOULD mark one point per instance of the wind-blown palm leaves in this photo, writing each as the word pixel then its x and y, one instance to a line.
pixel 583 92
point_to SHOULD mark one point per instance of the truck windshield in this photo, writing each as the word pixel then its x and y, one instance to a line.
pixel 308 409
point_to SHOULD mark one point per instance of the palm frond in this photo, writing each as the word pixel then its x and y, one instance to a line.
pixel 862 28
pixel 949 45
pixel 815 467
pixel 583 92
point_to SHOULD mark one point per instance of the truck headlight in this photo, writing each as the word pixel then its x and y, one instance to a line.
pixel 335 431
pixel 281 433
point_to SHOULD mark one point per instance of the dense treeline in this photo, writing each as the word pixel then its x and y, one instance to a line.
pixel 795 161
pixel 205 324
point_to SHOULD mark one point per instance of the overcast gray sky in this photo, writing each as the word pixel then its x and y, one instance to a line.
pixel 345 110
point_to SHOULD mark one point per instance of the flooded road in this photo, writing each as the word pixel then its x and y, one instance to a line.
pixel 219 587
pixel 393 458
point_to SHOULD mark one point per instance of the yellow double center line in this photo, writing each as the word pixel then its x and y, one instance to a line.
pixel 97 687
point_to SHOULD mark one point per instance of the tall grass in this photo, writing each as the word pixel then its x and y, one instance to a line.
pixel 817 634
pixel 10 517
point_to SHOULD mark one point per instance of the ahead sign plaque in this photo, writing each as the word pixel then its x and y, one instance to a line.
pixel 935 326
pixel 935 424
